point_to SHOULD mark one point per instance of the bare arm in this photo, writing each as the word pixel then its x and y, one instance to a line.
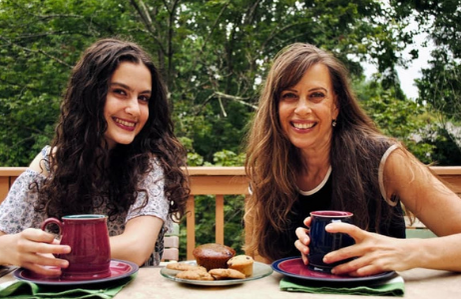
pixel 137 242
pixel 33 248
pixel 423 194
pixel 431 201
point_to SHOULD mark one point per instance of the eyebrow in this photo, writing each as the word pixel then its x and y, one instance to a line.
pixel 317 88
pixel 309 90
pixel 130 89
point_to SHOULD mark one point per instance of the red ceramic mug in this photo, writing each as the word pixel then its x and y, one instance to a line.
pixel 88 238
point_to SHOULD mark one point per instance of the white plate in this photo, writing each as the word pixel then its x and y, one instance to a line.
pixel 260 270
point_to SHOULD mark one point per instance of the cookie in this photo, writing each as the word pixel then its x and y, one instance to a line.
pixel 226 274
pixel 185 267
pixel 194 275
pixel 242 263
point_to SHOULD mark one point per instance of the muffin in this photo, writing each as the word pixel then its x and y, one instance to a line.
pixel 242 263
pixel 213 255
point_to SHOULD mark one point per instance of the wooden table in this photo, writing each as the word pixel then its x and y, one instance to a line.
pixel 149 284
pixel 419 284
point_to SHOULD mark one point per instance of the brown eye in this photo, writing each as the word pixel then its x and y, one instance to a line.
pixel 288 96
pixel 317 95
pixel 119 91
pixel 144 99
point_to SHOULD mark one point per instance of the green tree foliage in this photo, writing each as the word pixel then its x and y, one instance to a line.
pixel 440 84
pixel 213 56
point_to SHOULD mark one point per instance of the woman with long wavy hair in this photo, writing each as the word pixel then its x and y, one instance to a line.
pixel 311 147
pixel 114 153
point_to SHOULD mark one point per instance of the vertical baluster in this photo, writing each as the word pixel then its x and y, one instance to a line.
pixel 219 228
pixel 190 226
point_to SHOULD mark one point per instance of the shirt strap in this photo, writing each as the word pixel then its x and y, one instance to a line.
pixel 381 174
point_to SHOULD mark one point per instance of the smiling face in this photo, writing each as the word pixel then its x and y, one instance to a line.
pixel 127 104
pixel 307 109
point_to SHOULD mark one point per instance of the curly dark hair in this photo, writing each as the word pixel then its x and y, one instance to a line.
pixel 78 151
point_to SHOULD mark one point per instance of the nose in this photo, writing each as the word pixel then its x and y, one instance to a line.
pixel 303 106
pixel 132 106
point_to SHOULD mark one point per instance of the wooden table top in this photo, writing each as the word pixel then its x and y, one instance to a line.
pixel 150 284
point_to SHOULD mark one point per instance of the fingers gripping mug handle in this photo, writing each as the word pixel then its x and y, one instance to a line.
pixel 52 221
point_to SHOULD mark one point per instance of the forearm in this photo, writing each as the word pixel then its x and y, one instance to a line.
pixel 441 253
pixel 5 249
pixel 130 249
pixel 138 240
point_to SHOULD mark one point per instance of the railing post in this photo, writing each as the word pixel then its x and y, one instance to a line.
pixel 4 187
pixel 190 226
pixel 219 226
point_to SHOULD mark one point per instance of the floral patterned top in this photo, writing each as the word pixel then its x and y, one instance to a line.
pixel 17 210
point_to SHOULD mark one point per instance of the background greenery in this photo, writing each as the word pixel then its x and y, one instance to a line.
pixel 215 54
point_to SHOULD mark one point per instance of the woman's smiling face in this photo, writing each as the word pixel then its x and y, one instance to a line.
pixel 127 104
pixel 307 109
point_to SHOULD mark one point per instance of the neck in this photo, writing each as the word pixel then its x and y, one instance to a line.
pixel 314 171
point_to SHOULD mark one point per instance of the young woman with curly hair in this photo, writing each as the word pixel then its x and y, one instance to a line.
pixel 114 153
pixel 311 147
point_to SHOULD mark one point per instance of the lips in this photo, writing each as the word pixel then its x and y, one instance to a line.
pixel 303 125
pixel 128 125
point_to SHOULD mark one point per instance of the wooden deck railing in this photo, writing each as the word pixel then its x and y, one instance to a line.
pixel 219 181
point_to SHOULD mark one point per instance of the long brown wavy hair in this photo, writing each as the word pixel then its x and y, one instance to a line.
pixel 273 163
pixel 78 151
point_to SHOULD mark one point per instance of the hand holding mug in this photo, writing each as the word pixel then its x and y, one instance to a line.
pixel 33 249
pixel 302 244
pixel 372 253
pixel 323 242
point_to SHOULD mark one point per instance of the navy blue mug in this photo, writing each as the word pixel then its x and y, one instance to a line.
pixel 323 242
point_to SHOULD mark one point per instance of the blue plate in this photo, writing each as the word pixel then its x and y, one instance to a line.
pixel 295 268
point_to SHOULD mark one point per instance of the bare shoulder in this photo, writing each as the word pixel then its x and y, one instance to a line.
pixel 38 164
pixel 402 163
pixel 403 171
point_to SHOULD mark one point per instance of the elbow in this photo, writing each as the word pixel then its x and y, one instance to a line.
pixel 135 255
pixel 139 258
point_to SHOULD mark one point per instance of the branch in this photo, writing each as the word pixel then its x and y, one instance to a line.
pixel 234 98
pixel 214 25
pixel 38 51
pixel 146 20
pixel 44 17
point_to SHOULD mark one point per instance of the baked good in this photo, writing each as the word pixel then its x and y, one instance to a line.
pixel 194 275
pixel 242 263
pixel 185 267
pixel 213 255
pixel 226 274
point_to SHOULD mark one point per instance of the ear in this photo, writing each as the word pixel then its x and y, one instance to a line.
pixel 335 107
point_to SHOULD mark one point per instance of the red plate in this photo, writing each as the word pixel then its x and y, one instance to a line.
pixel 119 269
pixel 294 267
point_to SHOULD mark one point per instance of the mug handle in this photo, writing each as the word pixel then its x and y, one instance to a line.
pixel 52 221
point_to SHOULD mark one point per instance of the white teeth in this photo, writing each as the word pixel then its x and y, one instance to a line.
pixel 125 123
pixel 303 125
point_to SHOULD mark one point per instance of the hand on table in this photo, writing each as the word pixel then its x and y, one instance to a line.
pixel 33 249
